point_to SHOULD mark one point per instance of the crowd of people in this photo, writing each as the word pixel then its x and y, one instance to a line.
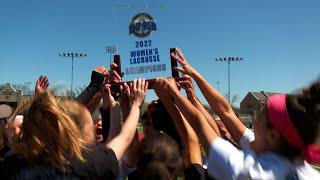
pixel 51 137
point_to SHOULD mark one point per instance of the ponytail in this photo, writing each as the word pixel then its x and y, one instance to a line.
pixel 304 112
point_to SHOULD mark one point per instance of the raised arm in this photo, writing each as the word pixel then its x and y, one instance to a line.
pixel 115 117
pixel 216 101
pixel 42 85
pixel 93 104
pixel 186 83
pixel 97 80
pixel 130 155
pixel 125 100
pixel 120 143
pixel 187 134
pixel 91 96
pixel 195 118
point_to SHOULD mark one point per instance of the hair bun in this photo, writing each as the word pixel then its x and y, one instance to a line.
pixel 314 92
pixel 310 98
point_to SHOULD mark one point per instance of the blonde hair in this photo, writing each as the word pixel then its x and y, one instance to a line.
pixel 49 130
pixel 22 107
pixel 76 111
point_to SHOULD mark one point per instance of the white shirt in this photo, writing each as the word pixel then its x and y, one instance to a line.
pixel 228 162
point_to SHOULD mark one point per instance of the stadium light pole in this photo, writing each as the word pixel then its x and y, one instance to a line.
pixel 111 49
pixel 72 55
pixel 218 83
pixel 28 87
pixel 229 59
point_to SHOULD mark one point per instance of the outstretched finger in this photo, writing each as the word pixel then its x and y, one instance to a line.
pixel 177 58
pixel 146 86
pixel 108 91
pixel 185 77
pixel 121 90
pixel 131 86
pixel 46 85
pixel 180 54
pixel 138 84
pixel 126 88
pixel 115 76
pixel 113 66
pixel 40 79
pixel 46 81
pixel 143 82
pixel 43 81
pixel 135 85
pixel 180 70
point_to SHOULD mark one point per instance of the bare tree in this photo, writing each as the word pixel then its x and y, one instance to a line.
pixel 234 99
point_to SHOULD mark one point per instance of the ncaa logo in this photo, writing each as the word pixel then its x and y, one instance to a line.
pixel 141 25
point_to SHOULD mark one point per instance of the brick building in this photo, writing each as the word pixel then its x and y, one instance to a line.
pixel 251 105
pixel 11 97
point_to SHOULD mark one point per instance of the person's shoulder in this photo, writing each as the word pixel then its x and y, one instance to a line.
pixel 306 171
pixel 15 167
pixel 265 166
pixel 106 161
pixel 100 162
pixel 274 161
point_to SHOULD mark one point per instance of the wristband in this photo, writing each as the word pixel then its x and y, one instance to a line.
pixel 97 78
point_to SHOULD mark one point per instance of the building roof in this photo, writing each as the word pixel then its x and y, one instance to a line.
pixel 262 95
pixel 7 88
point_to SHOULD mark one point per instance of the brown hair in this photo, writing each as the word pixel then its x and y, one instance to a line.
pixel 159 157
pixel 304 112
pixel 22 107
pixel 48 130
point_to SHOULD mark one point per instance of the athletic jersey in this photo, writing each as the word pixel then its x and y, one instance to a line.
pixel 228 162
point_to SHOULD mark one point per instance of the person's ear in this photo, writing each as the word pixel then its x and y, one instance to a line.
pixel 274 138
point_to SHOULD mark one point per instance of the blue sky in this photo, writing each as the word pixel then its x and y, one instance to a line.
pixel 278 39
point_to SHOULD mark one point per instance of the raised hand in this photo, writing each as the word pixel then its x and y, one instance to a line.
pixel 159 86
pixel 125 99
pixel 172 84
pixel 186 67
pixel 112 75
pixel 138 91
pixel 185 82
pixel 41 85
pixel 124 92
pixel 165 85
pixel 108 99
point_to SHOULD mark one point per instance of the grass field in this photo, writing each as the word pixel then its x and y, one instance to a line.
pixel 140 129
pixel 317 167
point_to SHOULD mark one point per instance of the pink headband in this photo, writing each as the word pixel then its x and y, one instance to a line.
pixel 279 118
